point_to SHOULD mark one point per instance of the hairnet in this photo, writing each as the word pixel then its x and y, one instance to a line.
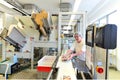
pixel 78 33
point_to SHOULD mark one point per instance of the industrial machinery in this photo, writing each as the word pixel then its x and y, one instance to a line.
pixel 14 43
pixel 28 39
pixel 42 22
pixel 98 41
pixel 64 69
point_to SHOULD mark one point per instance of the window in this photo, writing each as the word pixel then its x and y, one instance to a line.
pixel 103 21
pixel 113 18
pixel 1 21
pixel 97 23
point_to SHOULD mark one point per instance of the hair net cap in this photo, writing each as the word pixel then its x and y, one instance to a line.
pixel 78 33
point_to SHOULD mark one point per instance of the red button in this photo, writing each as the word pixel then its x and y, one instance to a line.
pixel 99 70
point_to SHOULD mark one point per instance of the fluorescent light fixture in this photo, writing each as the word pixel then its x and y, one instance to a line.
pixel 76 6
pixel 6 4
pixel 67 27
pixel 65 32
pixel 71 19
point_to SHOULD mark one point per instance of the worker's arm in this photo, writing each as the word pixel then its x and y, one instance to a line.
pixel 68 53
pixel 75 54
pixel 83 50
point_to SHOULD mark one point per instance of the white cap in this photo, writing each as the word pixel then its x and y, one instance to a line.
pixel 78 33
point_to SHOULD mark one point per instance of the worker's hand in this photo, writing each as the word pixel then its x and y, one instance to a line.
pixel 63 58
pixel 70 57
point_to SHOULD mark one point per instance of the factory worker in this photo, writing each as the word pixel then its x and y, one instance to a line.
pixel 77 52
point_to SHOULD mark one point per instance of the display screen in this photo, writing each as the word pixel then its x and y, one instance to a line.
pixel 99 37
pixel 90 36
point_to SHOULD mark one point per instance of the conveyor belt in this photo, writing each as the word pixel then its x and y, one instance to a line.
pixel 83 75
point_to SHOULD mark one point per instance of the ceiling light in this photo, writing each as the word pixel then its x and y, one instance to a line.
pixel 65 32
pixel 76 6
pixel 67 27
pixel 6 4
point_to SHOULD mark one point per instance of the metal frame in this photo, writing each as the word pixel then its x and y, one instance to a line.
pixel 56 44
pixel 45 44
pixel 41 44
pixel 83 13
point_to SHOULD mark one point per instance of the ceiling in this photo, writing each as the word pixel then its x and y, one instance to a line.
pixel 52 6
pixel 88 5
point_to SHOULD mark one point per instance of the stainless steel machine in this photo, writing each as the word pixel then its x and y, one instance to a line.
pixel 98 41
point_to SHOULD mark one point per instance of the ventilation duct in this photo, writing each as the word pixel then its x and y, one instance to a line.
pixel 65 7
pixel 15 3
pixel 17 6
pixel 30 8
pixel 21 11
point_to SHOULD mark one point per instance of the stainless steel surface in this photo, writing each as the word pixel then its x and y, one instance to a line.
pixel 6 65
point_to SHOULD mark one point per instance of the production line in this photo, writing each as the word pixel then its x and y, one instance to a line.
pixel 65 43
pixel 47 66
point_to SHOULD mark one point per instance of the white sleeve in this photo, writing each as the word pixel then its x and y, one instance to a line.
pixel 72 47
pixel 83 48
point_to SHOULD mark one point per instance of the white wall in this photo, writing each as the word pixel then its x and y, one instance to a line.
pixel 118 40
pixel 100 11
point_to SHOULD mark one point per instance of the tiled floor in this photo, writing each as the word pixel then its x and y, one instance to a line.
pixel 114 74
pixel 32 74
pixel 25 74
pixel 1 77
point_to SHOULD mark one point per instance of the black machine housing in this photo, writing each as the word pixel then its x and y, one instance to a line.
pixel 106 36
